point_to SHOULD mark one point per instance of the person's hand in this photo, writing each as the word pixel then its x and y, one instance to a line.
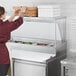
pixel 17 12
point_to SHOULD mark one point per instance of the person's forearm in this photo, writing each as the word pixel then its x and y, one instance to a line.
pixel 11 18
pixel 16 13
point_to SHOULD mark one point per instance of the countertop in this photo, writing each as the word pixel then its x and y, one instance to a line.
pixel 71 59
pixel 31 56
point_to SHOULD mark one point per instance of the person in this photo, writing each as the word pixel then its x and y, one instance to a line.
pixel 6 27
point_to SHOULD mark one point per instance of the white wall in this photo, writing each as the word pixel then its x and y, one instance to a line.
pixel 9 3
pixel 71 23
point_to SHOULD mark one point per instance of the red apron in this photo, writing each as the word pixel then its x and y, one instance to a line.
pixel 4 55
pixel 5 30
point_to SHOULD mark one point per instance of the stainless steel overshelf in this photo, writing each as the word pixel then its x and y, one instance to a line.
pixel 43 19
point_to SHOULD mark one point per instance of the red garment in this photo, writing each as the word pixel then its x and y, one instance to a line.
pixel 5 29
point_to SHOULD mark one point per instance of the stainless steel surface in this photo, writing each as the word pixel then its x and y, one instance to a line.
pixel 68 66
pixel 41 36
pixel 22 68
pixel 42 31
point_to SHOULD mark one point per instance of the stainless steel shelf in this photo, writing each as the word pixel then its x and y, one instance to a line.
pixel 43 19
